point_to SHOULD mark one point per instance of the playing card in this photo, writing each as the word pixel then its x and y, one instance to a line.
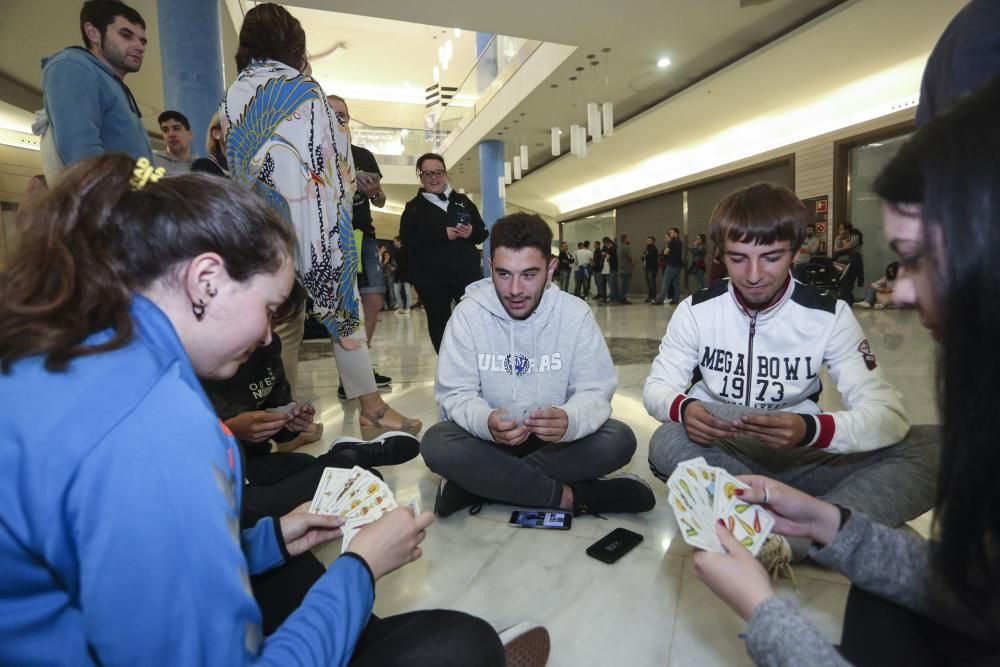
pixel 288 407
pixel 700 494
pixel 725 485
pixel 750 524
pixel 351 530
pixel 329 485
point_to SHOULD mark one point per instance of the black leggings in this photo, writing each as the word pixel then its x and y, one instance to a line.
pixel 418 639
pixel 879 632
pixel 437 299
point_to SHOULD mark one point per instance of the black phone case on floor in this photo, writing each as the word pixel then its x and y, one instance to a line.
pixel 614 545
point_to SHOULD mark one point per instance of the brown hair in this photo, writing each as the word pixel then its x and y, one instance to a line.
pixel 762 214
pixel 102 13
pixel 270 32
pixel 430 156
pixel 521 230
pixel 92 240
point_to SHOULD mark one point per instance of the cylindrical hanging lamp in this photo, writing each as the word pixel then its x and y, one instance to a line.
pixel 524 157
pixel 608 111
pixel 556 143
pixel 517 167
pixel 502 187
pixel 594 122
pixel 507 173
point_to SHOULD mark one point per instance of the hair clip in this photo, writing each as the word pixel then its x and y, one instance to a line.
pixel 144 172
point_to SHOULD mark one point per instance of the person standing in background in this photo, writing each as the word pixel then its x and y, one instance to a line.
pixel 402 285
pixel 673 256
pixel 584 267
pixel 625 264
pixel 565 266
pixel 697 269
pixel 650 267
pixel 441 227
pixel 178 158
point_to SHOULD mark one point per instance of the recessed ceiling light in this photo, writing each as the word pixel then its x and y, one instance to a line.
pixel 663 62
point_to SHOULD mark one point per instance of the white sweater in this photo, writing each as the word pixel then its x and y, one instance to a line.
pixel 714 350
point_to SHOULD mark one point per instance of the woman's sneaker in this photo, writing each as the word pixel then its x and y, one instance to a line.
pixel 526 645
pixel 389 449
pixel 776 557
pixel 621 492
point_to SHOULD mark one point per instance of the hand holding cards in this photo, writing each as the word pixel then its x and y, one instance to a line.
pixel 357 495
pixel 701 494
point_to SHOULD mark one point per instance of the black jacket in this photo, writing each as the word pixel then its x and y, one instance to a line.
pixel 433 258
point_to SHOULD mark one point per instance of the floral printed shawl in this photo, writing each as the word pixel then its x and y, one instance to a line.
pixel 284 143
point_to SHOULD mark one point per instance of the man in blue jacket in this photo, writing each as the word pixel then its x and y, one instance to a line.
pixel 90 109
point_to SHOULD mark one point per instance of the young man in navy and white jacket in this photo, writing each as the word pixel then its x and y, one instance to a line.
pixel 737 377
pixel 525 381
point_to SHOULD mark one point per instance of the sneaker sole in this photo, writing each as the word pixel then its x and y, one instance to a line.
pixel 529 649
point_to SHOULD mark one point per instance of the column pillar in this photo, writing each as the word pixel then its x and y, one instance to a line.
pixel 190 33
pixel 490 169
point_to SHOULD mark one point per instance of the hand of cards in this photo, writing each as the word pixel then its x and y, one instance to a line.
pixel 357 495
pixel 701 494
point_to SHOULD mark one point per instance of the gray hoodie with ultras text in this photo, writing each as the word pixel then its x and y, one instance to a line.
pixel 556 357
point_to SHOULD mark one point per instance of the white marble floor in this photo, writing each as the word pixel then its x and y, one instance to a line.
pixel 647 609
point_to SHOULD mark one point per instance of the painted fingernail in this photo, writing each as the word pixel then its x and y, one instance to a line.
pixel 738 492
pixel 721 523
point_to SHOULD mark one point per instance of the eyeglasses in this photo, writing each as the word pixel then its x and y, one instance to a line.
pixel 436 173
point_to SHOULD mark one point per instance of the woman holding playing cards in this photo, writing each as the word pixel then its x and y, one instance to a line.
pixel 913 602
pixel 120 539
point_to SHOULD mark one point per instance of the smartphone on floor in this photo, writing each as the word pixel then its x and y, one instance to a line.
pixel 552 520
pixel 614 545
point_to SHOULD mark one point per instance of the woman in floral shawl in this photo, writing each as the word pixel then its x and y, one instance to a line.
pixel 284 144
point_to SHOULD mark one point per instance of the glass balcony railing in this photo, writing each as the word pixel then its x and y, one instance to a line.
pixel 501 58
pixel 395 145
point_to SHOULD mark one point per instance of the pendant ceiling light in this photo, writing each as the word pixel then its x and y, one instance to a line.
pixel 555 134
pixel 517 167
pixel 508 173
pixel 524 157
pixel 607 109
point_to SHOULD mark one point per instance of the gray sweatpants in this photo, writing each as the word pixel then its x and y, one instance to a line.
pixel 891 485
pixel 531 474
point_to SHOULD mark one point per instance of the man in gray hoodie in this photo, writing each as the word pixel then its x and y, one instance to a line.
pixel 525 381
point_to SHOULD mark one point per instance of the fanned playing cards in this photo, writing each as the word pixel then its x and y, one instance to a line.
pixel 355 494
pixel 701 494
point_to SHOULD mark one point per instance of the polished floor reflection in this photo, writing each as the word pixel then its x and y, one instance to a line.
pixel 647 609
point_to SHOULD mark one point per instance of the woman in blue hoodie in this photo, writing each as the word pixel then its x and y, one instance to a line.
pixel 120 539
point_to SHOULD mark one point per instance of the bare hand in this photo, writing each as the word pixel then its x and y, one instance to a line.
pixel 796 514
pixel 465 231
pixel 303 531
pixel 777 430
pixel 703 427
pixel 735 576
pixel 349 343
pixel 257 426
pixel 549 424
pixel 300 418
pixel 392 541
pixel 506 431
pixel 452 233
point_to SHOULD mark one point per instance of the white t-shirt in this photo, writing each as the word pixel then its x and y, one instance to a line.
pixel 584 257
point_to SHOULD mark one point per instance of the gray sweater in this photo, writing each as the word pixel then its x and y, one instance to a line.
pixel 556 357
pixel 889 563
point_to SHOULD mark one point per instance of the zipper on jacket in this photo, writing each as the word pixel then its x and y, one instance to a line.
pixel 753 330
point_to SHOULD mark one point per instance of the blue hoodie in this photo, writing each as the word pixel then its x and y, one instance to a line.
pixel 91 111
pixel 556 357
pixel 119 538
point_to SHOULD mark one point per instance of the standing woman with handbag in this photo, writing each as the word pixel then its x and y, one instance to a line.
pixel 441 227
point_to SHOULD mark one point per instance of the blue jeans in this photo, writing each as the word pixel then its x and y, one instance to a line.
pixel 671 276
pixel 613 286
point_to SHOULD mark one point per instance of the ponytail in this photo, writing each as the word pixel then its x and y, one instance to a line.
pixel 66 281
pixel 92 240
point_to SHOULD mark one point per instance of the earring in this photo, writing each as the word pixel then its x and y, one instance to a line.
pixel 211 291
pixel 199 310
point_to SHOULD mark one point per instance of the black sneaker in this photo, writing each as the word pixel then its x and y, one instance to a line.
pixel 389 449
pixel 623 492
pixel 451 498
pixel 381 380
pixel 341 394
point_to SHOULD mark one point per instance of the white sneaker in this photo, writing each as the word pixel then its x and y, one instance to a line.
pixel 406 311
pixel 863 304
pixel 879 306
pixel 526 644
pixel 776 557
